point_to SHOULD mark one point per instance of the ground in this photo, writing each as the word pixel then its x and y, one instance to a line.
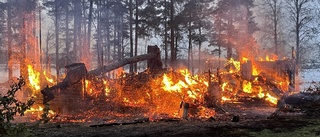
pixel 280 126
pixel 254 120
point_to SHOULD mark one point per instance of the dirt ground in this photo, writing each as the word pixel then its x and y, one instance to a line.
pixel 278 126
pixel 253 122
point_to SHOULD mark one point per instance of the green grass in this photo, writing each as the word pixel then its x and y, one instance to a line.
pixel 310 130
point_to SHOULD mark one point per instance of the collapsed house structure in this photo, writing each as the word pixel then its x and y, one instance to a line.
pixel 158 90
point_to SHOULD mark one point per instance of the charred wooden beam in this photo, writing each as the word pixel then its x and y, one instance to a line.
pixel 121 63
pixel 141 120
pixel 153 57
pixel 246 71
pixel 154 64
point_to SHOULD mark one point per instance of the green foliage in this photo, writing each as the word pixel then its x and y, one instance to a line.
pixel 11 106
pixel 291 128
pixel 14 130
pixel 45 118
pixel 45 115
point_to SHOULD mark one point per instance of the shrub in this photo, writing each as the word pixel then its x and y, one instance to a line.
pixel 11 106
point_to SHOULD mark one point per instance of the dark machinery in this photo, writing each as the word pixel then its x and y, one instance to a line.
pixel 77 71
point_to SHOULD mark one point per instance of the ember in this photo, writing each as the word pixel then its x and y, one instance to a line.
pixel 36 113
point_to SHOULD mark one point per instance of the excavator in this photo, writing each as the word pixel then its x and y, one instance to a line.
pixel 78 71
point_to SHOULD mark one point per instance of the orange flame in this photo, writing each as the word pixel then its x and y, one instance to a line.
pixel 254 71
pixel 48 78
pixel 38 111
pixel 271 99
pixel 273 57
pixel 34 78
pixel 247 87
pixel 106 88
pixel 236 64
pixel 244 59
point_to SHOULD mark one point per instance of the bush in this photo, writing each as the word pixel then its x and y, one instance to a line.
pixel 9 107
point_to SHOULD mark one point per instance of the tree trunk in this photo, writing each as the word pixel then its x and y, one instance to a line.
pixel 83 36
pixel 172 46
pixel 40 41
pixel 229 47
pixel 76 44
pixel 98 45
pixel 115 41
pixel 23 65
pixel 10 60
pixel 34 44
pixel 131 34
pixel 88 55
pixel 219 43
pixel 67 30
pixel 57 39
pixel 190 49
pixel 48 64
pixel 108 33
pixel 165 36
pixel 136 36
pixel 297 41
pixel 120 37
pixel 190 45
pixel 275 23
pixel 200 44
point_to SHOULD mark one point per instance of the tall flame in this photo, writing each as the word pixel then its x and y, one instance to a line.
pixel 34 78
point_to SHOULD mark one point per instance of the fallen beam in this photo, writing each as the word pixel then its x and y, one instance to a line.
pixel 137 121
pixel 121 63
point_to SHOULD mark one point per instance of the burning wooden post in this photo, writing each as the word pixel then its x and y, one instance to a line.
pixel 214 93
pixel 154 64
pixel 185 108
pixel 246 70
